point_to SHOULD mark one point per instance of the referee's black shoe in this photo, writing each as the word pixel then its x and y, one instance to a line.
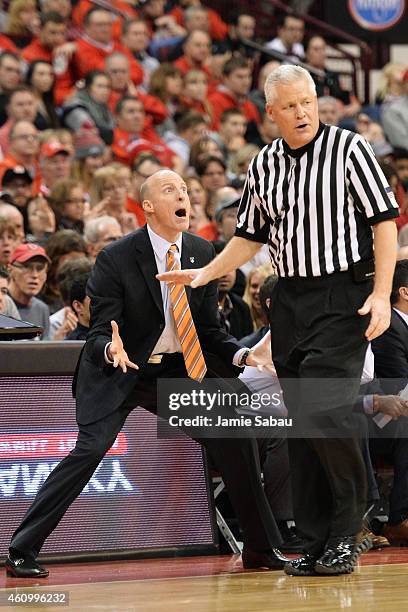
pixel 339 556
pixel 302 566
pixel 21 566
pixel 268 559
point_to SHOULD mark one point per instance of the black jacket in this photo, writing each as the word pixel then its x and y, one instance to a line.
pixel 123 287
pixel 391 355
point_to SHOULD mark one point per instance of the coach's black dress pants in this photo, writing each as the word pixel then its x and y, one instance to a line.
pixel 236 458
pixel 318 349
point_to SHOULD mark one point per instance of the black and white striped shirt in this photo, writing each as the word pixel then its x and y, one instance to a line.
pixel 315 205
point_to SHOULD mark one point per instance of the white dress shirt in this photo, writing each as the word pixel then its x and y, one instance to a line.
pixel 169 341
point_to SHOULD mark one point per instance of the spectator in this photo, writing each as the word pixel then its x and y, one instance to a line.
pixel 329 84
pixel 8 241
pixel 89 106
pixel 108 197
pixel 289 39
pixel 217 27
pixel 401 166
pixel 62 7
pixel 23 151
pixel 234 312
pixel 375 136
pixel 391 86
pixel 203 148
pixel 190 127
pixel 40 78
pixel 255 279
pixel 22 106
pixel 195 91
pixel 197 51
pixel 133 135
pixel 264 133
pixel 241 26
pixel 100 232
pixel 7 306
pixel 11 214
pixel 17 182
pixel 231 133
pixel 394 117
pixel 91 51
pixel 118 69
pixel 23 20
pixel 80 304
pixel 41 220
pixel 166 84
pixel 64 321
pixel 62 246
pixel 135 37
pixel 67 199
pixel 226 215
pixel 257 96
pixel 198 201
pixel 328 110
pixel 10 78
pixel 52 35
pixel 212 173
pixel 234 92
pixel 55 164
pixel 265 293
pixel 28 273
pixel 239 162
pixel 144 166
pixel 90 154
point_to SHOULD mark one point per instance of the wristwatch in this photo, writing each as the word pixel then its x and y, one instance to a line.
pixel 243 358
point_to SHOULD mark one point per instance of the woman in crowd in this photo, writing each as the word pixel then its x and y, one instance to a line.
pixel 200 223
pixel 108 197
pixel 91 154
pixel 391 85
pixel 40 77
pixel 89 106
pixel 212 174
pixel 195 91
pixel 67 200
pixel 255 280
pixel 203 148
pixel 23 21
pixel 8 240
pixel 240 161
pixel 166 83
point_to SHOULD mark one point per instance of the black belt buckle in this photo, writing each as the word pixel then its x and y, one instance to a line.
pixel 362 271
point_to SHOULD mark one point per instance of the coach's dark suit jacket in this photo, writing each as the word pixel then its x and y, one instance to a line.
pixel 123 287
pixel 391 355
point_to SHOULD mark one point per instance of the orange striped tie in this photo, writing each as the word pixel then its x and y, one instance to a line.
pixel 190 344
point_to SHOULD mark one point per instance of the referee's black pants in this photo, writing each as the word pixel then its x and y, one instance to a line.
pixel 317 340
pixel 237 459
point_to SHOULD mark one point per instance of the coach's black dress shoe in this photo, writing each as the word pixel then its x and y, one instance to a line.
pixel 303 566
pixel 270 559
pixel 339 556
pixel 24 567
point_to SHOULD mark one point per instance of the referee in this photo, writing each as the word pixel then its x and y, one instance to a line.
pixel 319 199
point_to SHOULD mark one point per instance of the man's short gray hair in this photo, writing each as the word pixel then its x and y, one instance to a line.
pixel 286 75
pixel 94 227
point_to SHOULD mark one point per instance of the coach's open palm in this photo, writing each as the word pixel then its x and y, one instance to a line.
pixel 117 353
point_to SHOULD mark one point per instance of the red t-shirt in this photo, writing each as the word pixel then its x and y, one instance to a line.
pixel 222 100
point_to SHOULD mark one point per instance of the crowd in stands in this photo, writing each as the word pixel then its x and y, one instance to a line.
pixel 96 96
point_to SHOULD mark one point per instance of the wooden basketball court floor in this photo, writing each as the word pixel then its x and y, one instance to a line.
pixel 217 584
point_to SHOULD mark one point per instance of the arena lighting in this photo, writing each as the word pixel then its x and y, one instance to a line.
pixel 147 497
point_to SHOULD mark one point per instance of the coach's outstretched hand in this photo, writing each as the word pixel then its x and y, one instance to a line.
pixel 194 277
pixel 261 355
pixel 117 353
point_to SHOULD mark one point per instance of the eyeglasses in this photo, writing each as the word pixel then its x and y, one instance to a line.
pixel 31 267
pixel 4 290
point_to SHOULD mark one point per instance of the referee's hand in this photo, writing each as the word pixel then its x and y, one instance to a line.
pixel 380 309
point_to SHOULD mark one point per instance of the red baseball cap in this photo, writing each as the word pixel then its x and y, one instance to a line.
pixel 28 251
pixel 49 149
